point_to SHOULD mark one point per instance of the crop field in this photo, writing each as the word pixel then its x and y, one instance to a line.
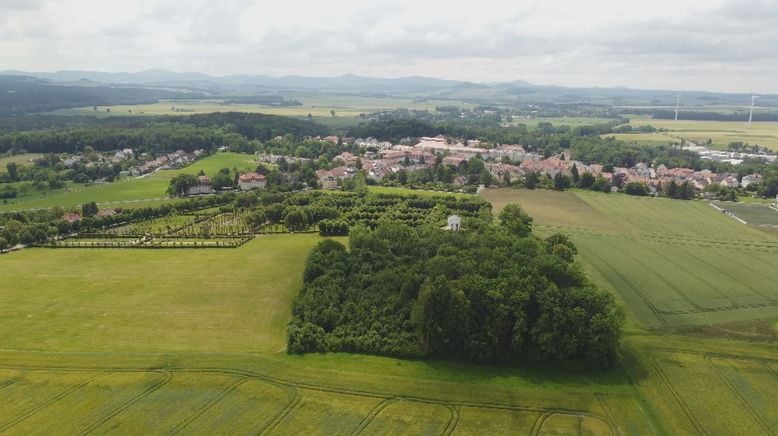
pixel 319 106
pixel 722 133
pixel 673 263
pixel 757 214
pixel 127 192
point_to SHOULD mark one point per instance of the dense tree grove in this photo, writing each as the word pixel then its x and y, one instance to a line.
pixel 491 293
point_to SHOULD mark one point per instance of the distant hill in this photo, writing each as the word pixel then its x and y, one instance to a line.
pixel 243 86
pixel 24 95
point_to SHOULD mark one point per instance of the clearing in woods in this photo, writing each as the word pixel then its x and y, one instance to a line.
pixel 674 263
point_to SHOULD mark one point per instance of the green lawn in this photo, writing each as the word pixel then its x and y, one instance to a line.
pixel 126 192
pixel 408 191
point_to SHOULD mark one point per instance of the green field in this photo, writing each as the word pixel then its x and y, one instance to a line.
pixel 125 193
pixel 193 341
pixel 404 191
pixel 19 159
pixel 674 263
pixel 319 106
pixel 722 133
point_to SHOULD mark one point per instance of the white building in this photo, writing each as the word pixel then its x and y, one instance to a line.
pixel 454 223
pixel 203 186
pixel 251 181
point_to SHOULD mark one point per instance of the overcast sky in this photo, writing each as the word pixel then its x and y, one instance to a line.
pixel 724 45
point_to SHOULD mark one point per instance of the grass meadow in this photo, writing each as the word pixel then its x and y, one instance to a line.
pixel 147 190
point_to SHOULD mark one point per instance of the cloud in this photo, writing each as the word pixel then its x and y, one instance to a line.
pixel 720 44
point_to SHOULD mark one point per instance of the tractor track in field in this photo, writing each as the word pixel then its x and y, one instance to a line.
pixel 608 413
pixel 754 414
pixel 228 390
pixel 538 424
pixel 372 414
pixel 684 407
pixel 746 267
pixel 676 240
pixel 453 421
pixel 296 398
pixel 287 409
pixel 167 376
pixel 697 308
pixel 9 383
pixel 50 401
pixel 657 313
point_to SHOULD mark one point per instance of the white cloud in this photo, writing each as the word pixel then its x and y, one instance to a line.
pixel 677 44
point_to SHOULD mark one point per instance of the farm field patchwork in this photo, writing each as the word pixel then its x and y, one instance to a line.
pixel 722 133
pixel 109 341
pixel 673 263
pixel 19 159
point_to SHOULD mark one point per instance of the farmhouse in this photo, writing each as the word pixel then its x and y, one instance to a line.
pixel 203 186
pixel 249 181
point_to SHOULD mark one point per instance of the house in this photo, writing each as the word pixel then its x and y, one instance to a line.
pixel 71 217
pixel 106 212
pixel 454 223
pixel 203 186
pixel 251 181
pixel 328 179
pixel 749 179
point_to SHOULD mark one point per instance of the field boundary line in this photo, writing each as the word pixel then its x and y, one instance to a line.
pixel 226 391
pixel 167 376
pixel 9 383
pixel 739 396
pixel 684 407
pixel 50 401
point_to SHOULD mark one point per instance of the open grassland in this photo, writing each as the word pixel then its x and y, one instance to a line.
pixel 722 133
pixel 165 341
pixel 152 300
pixel 19 159
pixel 673 263
pixel 149 189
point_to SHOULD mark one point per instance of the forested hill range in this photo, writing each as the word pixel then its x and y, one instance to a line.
pixel 505 93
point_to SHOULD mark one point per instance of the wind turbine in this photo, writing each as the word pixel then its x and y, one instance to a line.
pixel 751 113
pixel 677 105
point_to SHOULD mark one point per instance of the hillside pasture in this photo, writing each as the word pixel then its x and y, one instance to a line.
pixel 673 263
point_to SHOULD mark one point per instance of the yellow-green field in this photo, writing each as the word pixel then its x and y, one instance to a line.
pixel 317 105
pixel 128 192
pixel 722 133
pixel 674 263
pixel 19 159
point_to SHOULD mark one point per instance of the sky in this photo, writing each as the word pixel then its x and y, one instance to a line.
pixel 716 45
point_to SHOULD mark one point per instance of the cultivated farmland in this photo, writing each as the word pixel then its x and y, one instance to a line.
pixel 722 133
pixel 674 263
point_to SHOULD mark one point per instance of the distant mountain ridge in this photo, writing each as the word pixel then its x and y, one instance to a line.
pixel 508 93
